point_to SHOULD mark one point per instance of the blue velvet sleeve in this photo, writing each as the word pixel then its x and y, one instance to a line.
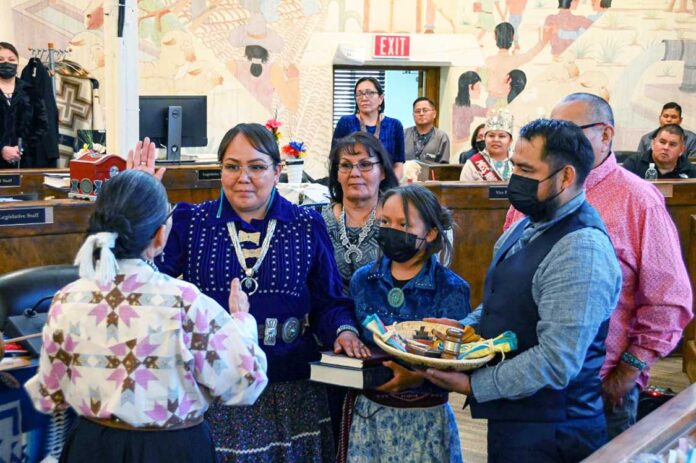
pixel 343 127
pixel 173 260
pixel 330 308
pixel 399 153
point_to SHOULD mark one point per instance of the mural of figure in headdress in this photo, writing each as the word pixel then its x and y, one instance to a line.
pixel 257 72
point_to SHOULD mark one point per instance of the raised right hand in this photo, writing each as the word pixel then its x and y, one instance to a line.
pixel 238 301
pixel 143 158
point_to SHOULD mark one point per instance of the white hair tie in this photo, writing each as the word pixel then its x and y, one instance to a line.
pixel 107 265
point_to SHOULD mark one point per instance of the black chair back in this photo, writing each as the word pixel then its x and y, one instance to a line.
pixel 32 288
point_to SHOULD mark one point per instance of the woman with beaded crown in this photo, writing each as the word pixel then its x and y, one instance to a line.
pixel 493 163
pixel 284 258
pixel 131 349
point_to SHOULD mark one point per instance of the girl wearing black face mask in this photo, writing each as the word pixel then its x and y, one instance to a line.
pixel 407 282
pixel 22 114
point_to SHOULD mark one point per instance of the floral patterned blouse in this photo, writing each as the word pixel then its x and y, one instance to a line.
pixel 147 349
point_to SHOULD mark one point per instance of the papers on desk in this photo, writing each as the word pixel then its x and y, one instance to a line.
pixel 304 193
pixel 57 180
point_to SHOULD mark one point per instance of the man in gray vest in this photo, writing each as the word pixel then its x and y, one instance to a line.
pixel 554 281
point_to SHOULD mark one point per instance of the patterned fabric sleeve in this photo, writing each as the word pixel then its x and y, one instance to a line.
pixel 44 388
pixel 227 358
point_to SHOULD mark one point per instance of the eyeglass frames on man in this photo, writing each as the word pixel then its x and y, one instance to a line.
pixel 363 166
pixel 422 111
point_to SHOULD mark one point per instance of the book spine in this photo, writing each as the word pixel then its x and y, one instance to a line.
pixel 375 377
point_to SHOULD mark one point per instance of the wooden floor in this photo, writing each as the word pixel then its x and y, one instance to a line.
pixel 667 372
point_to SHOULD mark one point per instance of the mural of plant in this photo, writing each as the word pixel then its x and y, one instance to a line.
pixel 667 71
pixel 609 50
pixel 583 49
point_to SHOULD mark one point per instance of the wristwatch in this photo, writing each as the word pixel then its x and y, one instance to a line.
pixel 347 327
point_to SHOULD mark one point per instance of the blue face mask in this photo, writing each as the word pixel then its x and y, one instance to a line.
pixel 522 193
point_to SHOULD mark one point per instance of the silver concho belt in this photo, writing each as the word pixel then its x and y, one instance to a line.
pixel 290 330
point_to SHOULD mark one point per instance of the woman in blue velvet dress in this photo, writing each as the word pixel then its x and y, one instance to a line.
pixel 407 420
pixel 284 258
pixel 369 117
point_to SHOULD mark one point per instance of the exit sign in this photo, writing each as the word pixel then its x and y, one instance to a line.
pixel 392 46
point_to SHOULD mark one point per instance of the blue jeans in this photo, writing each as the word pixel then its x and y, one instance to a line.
pixel 623 417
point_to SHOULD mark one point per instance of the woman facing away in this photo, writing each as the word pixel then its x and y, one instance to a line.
pixel 131 349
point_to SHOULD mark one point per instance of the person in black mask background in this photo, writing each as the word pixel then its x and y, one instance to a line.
pixel 23 119
pixel 554 281
pixel 408 281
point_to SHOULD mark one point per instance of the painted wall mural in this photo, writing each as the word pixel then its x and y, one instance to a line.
pixel 258 58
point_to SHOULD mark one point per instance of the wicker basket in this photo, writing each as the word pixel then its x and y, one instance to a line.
pixel 407 331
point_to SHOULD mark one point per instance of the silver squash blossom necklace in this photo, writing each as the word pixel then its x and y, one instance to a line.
pixel 354 249
pixel 249 283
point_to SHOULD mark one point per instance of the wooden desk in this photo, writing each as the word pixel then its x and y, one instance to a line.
pixel 656 433
pixel 439 172
pixel 191 183
pixel 56 242
pixel 30 180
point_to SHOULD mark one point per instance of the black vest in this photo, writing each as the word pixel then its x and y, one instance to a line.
pixel 508 305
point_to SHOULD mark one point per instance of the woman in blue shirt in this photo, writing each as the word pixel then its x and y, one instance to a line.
pixel 369 117
pixel 406 418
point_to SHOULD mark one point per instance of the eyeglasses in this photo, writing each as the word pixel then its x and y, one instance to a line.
pixel 422 111
pixel 366 93
pixel 594 124
pixel 171 207
pixel 363 166
pixel 252 170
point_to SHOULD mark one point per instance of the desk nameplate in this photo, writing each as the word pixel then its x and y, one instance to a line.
pixel 209 174
pixel 10 180
pixel 497 192
pixel 26 216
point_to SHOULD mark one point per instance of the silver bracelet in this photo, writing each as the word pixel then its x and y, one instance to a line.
pixel 347 327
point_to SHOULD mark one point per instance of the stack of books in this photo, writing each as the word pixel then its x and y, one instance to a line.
pixel 341 370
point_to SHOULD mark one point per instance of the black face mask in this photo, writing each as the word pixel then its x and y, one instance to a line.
pixel 480 145
pixel 397 245
pixel 8 70
pixel 522 193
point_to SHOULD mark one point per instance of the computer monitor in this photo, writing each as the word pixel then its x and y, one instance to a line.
pixel 174 122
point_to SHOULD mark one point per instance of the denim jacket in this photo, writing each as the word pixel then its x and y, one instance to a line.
pixel 435 291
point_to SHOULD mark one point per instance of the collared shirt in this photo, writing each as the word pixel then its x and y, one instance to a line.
pixel 297 277
pixel 575 287
pixel 645 143
pixel 431 147
pixel 146 348
pixel 640 163
pixel 655 302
